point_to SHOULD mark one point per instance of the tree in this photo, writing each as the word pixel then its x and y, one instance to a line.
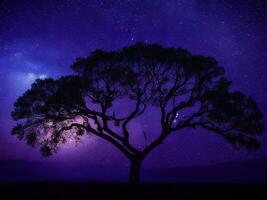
pixel 189 91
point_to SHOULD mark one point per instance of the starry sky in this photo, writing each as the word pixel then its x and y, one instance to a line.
pixel 41 38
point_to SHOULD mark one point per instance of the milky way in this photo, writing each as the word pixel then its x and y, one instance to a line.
pixel 40 39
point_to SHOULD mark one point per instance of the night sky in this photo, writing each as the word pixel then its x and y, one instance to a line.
pixel 40 39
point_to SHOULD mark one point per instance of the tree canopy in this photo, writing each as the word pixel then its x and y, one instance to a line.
pixel 172 80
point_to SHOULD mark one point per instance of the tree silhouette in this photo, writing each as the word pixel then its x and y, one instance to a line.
pixel 189 91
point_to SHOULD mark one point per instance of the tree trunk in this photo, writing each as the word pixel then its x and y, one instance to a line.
pixel 135 169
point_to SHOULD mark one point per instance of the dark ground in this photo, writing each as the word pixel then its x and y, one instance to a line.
pixel 58 190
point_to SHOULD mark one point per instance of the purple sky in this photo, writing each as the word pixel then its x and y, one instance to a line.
pixel 41 39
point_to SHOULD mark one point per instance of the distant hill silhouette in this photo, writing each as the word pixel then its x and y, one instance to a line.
pixel 18 170
pixel 231 172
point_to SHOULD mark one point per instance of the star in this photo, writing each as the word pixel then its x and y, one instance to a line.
pixel 42 40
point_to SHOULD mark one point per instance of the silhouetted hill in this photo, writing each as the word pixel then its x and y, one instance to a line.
pixel 15 170
pixel 232 172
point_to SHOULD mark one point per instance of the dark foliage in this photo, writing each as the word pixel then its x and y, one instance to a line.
pixel 170 79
